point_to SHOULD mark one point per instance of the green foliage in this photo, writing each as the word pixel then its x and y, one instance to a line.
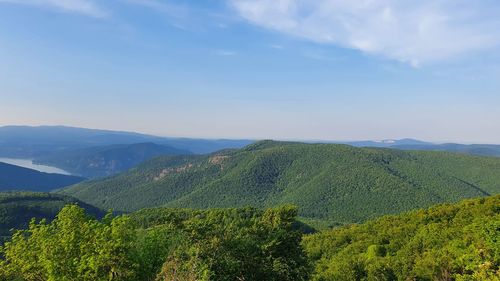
pixel 446 242
pixel 159 244
pixel 18 208
pixel 228 244
pixel 14 178
pixel 331 184
pixel 72 247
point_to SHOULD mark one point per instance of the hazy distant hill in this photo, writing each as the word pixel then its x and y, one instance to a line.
pixel 18 208
pixel 106 160
pixel 412 144
pixel 387 143
pixel 329 182
pixel 18 178
pixel 472 149
pixel 29 142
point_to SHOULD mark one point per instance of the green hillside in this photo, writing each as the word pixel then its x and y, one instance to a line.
pixel 101 161
pixel 18 178
pixel 446 242
pixel 161 245
pixel 333 183
pixel 18 208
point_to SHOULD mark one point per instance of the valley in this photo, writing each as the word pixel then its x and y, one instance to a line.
pixel 249 140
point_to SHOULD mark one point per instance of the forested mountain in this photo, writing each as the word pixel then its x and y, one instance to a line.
pixel 18 208
pixel 18 178
pixel 105 160
pixel 446 242
pixel 329 183
pixel 31 142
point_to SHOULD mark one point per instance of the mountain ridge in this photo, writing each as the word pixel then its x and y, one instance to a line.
pixel 330 182
pixel 31 141
pixel 107 160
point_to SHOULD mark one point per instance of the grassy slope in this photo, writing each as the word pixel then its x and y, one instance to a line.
pixel 334 183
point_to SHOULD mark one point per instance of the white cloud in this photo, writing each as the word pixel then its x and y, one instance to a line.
pixel 412 31
pixel 85 7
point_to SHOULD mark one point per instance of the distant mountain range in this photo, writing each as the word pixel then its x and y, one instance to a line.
pixel 97 153
pixel 18 178
pixel 412 144
pixel 386 143
pixel 30 142
pixel 100 161
pixel 330 183
pixel 472 149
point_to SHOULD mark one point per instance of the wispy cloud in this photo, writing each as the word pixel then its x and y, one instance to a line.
pixel 277 46
pixel 321 55
pixel 226 53
pixel 411 31
pixel 166 7
pixel 85 7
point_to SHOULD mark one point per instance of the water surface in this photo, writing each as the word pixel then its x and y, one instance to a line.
pixel 28 163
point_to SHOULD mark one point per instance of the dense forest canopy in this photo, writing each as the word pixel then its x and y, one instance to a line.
pixel 331 184
pixel 159 244
pixel 446 242
pixel 18 208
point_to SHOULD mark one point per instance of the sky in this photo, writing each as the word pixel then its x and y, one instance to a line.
pixel 259 69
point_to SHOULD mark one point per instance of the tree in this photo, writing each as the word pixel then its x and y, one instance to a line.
pixel 72 247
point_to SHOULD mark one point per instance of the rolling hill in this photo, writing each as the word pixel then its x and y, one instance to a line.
pixel 18 178
pixel 18 208
pixel 329 183
pixel 103 161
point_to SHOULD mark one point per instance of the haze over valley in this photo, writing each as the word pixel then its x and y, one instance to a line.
pixel 249 140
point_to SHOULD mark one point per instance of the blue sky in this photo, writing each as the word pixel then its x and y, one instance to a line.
pixel 282 69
